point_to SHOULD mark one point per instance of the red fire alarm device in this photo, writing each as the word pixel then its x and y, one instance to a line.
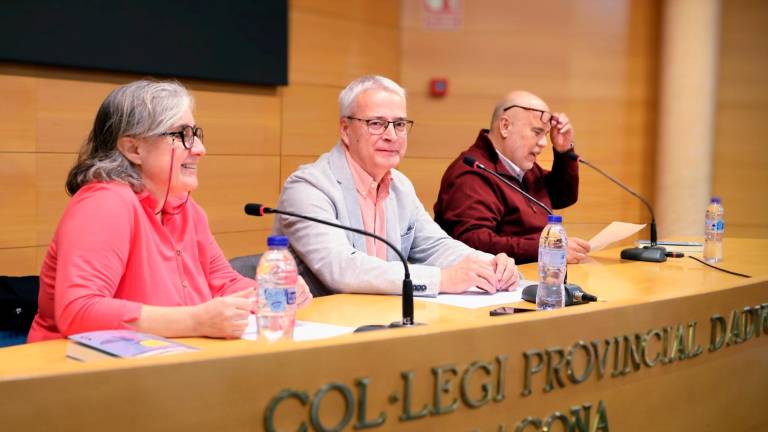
pixel 438 87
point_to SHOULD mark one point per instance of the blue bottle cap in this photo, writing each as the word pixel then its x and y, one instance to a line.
pixel 277 240
pixel 715 200
pixel 554 219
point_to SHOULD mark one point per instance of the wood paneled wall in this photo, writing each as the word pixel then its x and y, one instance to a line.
pixel 255 136
pixel 39 143
pixel 740 175
pixel 593 59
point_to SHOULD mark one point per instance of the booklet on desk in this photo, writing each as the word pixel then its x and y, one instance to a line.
pixel 121 344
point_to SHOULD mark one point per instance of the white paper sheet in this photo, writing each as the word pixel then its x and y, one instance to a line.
pixel 476 298
pixel 303 331
pixel 614 232
pixel 673 246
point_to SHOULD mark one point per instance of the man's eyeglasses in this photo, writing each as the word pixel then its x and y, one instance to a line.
pixel 378 126
pixel 546 116
pixel 187 134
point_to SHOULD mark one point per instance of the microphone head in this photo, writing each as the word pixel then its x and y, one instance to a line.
pixel 253 209
pixel 470 162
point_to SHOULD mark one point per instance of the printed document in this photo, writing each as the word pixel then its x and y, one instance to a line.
pixel 614 232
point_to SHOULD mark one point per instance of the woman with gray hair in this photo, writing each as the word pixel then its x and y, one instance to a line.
pixel 133 250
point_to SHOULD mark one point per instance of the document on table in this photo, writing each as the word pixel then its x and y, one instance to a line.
pixel 303 331
pixel 676 246
pixel 476 298
pixel 614 232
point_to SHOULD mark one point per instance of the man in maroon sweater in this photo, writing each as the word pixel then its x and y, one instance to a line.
pixel 481 211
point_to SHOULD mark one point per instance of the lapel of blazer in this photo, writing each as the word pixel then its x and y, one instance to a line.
pixel 393 221
pixel 340 170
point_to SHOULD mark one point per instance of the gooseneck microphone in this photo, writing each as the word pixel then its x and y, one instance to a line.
pixel 652 253
pixel 473 163
pixel 573 293
pixel 408 320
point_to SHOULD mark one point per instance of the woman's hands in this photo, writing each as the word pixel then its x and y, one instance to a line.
pixel 224 317
pixel 227 317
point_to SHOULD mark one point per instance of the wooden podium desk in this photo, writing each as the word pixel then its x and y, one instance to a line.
pixel 669 347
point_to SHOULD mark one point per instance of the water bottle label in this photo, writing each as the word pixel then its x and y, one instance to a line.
pixel 717 226
pixel 291 293
pixel 552 257
pixel 275 298
pixel 720 226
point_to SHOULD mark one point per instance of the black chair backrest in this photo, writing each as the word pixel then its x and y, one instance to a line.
pixel 18 302
pixel 246 265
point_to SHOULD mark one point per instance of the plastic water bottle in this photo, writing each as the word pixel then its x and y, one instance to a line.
pixel 714 227
pixel 553 248
pixel 277 276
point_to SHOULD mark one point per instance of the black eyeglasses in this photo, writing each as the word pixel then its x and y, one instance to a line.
pixel 187 134
pixel 378 126
pixel 546 116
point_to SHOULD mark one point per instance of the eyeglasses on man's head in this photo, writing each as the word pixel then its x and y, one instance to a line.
pixel 546 116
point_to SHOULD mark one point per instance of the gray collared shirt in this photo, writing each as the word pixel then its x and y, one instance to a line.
pixel 517 172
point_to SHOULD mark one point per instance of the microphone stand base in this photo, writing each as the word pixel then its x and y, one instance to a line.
pixel 570 288
pixel 647 253
pixel 396 324
pixel 529 294
pixel 370 327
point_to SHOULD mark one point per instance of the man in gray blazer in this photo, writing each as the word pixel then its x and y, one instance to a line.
pixel 356 184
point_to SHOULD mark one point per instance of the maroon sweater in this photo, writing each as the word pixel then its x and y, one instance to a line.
pixel 481 211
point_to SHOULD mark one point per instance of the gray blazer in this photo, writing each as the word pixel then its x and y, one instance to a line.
pixel 326 190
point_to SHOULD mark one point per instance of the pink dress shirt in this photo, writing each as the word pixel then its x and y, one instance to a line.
pixel 372 196
pixel 110 255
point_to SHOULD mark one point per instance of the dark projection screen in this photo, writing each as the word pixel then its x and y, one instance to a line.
pixel 233 40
